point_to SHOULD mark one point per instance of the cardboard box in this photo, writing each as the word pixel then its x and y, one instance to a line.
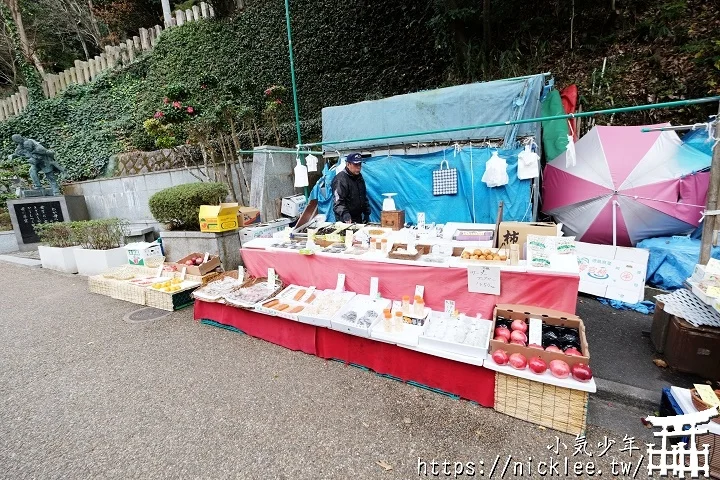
pixel 548 316
pixel 517 232
pixel 219 218
pixel 139 251
pixel 198 270
pixel 263 230
pixel 612 272
pixel 293 206
pixel 248 216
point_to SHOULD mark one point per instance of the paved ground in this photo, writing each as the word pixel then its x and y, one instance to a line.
pixel 86 394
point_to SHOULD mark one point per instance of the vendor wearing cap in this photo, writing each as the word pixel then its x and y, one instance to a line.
pixel 350 202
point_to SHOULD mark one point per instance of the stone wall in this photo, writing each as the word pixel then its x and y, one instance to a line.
pixel 136 163
pixel 8 242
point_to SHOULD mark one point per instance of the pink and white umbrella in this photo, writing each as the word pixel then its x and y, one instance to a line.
pixel 627 186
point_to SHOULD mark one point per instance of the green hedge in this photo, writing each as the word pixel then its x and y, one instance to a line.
pixel 179 207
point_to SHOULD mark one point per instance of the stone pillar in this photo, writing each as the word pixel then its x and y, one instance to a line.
pixel 180 17
pixel 15 103
pixel 130 46
pixel 158 31
pixel 144 39
pixel 189 17
pixel 86 71
pixel 24 96
pixel 103 62
pixel 196 12
pixel 110 56
pixel 93 68
pixel 78 70
pixel 167 13
pixel 211 10
pixel 2 113
pixel 51 81
pixel 151 36
pixel 5 109
pixel 204 10
pixel 137 43
pixel 72 73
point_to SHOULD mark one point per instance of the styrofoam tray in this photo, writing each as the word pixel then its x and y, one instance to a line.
pixel 408 336
pixel 700 294
pixel 287 297
pixel 479 361
pixel 546 377
pixel 448 346
pixel 320 320
pixel 359 303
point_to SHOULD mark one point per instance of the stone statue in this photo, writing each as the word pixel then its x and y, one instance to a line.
pixel 40 160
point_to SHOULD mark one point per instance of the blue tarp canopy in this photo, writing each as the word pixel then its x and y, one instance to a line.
pixel 700 140
pixel 459 106
pixel 410 176
pixel 672 260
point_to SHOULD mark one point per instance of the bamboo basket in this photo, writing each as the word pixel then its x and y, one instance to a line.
pixel 169 301
pixel 220 276
pixel 100 285
pixel 561 409
pixel 123 290
pixel 252 281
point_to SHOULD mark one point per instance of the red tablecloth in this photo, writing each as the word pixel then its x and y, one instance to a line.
pixel 468 381
pixel 558 292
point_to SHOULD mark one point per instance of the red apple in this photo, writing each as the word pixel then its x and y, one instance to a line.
pixel 519 325
pixel 502 332
pixel 559 369
pixel 518 361
pixel 199 261
pixel 573 352
pixel 518 336
pixel 500 357
pixel 535 345
pixel 581 372
pixel 553 348
pixel 189 262
pixel 518 342
pixel 537 365
pixel 500 339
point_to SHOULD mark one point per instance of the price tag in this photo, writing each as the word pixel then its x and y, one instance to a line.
pixel 421 220
pixel 182 275
pixel 348 239
pixel 241 274
pixel 158 274
pixel 419 291
pixel 707 395
pixel 449 307
pixel 373 287
pixel 271 279
pixel 484 279
pixel 340 287
pixel 535 331
pixel 207 255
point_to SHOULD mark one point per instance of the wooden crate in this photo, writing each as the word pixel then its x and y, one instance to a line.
pixel 394 219
pixel 558 408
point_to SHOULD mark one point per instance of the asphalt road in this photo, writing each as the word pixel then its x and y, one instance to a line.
pixel 86 394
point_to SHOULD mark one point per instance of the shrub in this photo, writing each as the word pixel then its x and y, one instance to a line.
pixel 56 234
pixel 100 234
pixel 5 223
pixel 179 207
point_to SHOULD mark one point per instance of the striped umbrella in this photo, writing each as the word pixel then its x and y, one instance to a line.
pixel 627 186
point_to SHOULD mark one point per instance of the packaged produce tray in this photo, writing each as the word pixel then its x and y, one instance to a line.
pixel 288 303
pixel 429 339
pixel 399 252
pixel 486 256
pixel 219 286
pixel 357 308
pixel 326 304
pixel 252 292
pixel 407 336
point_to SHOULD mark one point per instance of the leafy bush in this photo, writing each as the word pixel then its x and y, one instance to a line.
pixel 102 234
pixel 5 223
pixel 179 206
pixel 57 234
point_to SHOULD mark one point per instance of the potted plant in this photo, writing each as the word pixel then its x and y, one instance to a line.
pixel 60 243
pixel 101 242
pixel 178 208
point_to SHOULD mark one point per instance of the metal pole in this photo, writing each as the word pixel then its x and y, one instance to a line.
pixel 677 103
pixel 292 78
pixel 709 221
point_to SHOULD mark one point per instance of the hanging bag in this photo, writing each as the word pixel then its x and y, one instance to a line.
pixel 445 180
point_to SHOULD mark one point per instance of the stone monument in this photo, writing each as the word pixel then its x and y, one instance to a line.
pixel 39 204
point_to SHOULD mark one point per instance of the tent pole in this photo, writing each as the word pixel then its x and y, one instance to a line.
pixel 710 221
pixel 615 205
pixel 609 111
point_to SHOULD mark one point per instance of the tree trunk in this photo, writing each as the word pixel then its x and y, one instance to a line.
pixel 237 147
pixel 94 23
pixel 24 44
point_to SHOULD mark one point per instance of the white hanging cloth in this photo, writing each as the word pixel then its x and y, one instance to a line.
pixel 496 172
pixel 528 164
pixel 301 175
pixel 312 162
pixel 570 158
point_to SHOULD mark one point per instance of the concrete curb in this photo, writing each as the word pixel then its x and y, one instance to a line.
pixel 28 262
pixel 627 394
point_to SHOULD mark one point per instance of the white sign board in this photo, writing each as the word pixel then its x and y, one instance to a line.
pixel 484 279
pixel 617 273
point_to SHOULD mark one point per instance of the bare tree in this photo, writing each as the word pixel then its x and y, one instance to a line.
pixel 25 46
